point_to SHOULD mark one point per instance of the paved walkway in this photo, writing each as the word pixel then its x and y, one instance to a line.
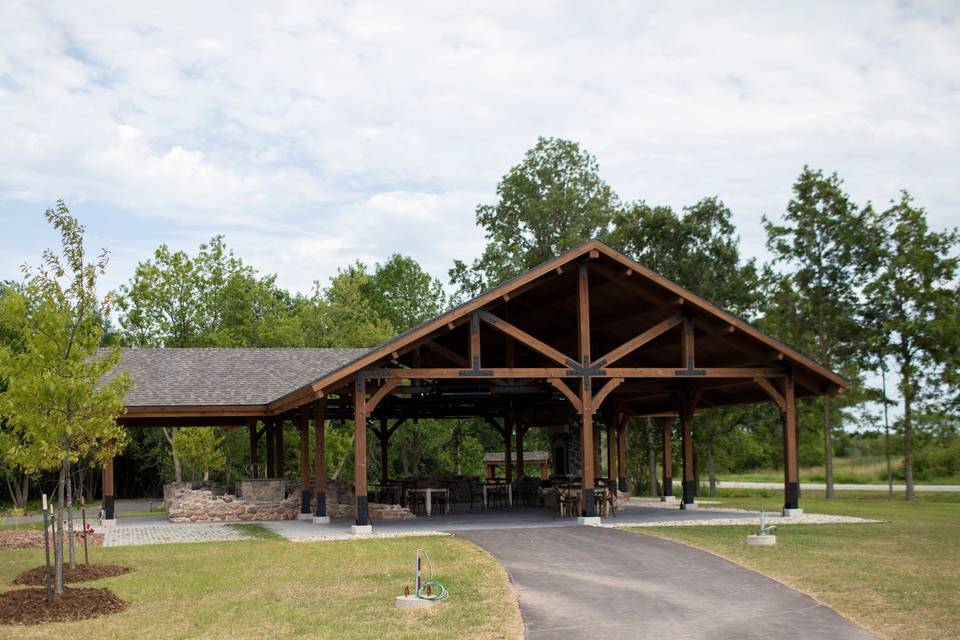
pixel 819 486
pixel 587 582
pixel 168 533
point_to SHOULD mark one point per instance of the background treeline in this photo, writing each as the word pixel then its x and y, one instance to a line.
pixel 871 291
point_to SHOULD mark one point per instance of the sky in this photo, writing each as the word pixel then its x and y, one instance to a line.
pixel 315 134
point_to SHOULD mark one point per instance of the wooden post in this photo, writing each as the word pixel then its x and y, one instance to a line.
pixel 622 453
pixel 281 464
pixel 384 436
pixel 521 430
pixel 360 450
pixel 491 471
pixel 686 436
pixel 320 460
pixel 666 429
pixel 587 472
pixel 507 454
pixel 306 495
pixel 108 504
pixel 254 454
pixel 543 471
pixel 271 441
pixel 790 462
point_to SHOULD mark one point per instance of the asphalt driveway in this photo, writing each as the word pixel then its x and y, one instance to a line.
pixel 589 582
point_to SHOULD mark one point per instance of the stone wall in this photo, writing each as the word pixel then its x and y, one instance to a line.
pixel 186 504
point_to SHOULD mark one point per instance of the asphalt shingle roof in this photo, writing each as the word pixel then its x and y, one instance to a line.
pixel 211 377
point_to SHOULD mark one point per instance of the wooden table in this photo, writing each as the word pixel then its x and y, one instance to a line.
pixel 429 491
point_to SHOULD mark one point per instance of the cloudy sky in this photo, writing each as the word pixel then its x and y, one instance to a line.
pixel 316 134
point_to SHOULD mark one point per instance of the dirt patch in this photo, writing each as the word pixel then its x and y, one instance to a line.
pixel 83 573
pixel 33 539
pixel 29 606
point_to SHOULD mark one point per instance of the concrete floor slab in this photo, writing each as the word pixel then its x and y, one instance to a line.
pixel 588 582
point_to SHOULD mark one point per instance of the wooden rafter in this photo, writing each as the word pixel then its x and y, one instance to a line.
pixel 775 395
pixel 567 392
pixel 525 338
pixel 637 342
pixel 388 386
pixel 604 392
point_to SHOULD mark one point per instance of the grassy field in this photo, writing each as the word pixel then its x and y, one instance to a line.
pixel 845 471
pixel 901 579
pixel 276 589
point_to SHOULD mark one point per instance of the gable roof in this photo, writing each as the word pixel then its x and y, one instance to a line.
pixel 790 355
pixel 177 377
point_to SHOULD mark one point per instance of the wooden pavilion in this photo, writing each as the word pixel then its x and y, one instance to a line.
pixel 581 343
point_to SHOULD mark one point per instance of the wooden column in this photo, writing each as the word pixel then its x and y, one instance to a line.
pixel 306 494
pixel 587 472
pixel 108 503
pixel 543 471
pixel 507 454
pixel 790 462
pixel 320 459
pixel 360 450
pixel 281 463
pixel 622 453
pixel 521 430
pixel 271 442
pixel 384 437
pixel 254 454
pixel 686 436
pixel 666 430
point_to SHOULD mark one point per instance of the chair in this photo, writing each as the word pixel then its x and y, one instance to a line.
pixel 604 501
pixel 413 499
pixel 476 492
pixel 569 502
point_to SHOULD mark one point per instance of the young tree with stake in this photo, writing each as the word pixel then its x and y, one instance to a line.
pixel 58 398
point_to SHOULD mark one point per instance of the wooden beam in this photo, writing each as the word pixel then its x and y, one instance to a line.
pixel 568 393
pixel 525 338
pixel 486 374
pixel 640 340
pixel 452 356
pixel 767 386
pixel 475 340
pixel 666 436
pixel 687 343
pixel 712 372
pixel 598 399
pixel 687 405
pixel 388 386
pixel 583 314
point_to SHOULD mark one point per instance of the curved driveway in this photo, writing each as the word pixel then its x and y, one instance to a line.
pixel 590 582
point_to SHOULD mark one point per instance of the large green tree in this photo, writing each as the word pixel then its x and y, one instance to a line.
pixel 911 305
pixel 550 202
pixel 403 294
pixel 822 239
pixel 59 399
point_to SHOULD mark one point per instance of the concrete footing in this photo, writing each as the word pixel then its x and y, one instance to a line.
pixel 689 506
pixel 792 513
pixel 361 529
pixel 112 522
pixel 668 499
pixel 590 521
pixel 321 519
pixel 413 602
pixel 304 516
pixel 762 541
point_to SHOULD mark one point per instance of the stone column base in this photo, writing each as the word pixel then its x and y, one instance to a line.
pixel 590 521
pixel 689 506
pixel 361 529
pixel 304 516
pixel 791 513
pixel 321 519
pixel 112 522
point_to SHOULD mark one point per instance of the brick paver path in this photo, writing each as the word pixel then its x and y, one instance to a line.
pixel 121 536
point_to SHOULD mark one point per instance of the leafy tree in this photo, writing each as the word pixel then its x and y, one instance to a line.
pixel 403 294
pixel 550 202
pixel 201 448
pixel 822 236
pixel 342 314
pixel 58 399
pixel 910 302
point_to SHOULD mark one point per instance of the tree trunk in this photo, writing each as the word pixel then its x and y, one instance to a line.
pixel 828 448
pixel 18 486
pixel 404 467
pixel 652 460
pixel 908 439
pixel 58 535
pixel 170 434
pixel 70 543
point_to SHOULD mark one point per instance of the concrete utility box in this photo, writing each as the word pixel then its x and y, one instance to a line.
pixel 262 490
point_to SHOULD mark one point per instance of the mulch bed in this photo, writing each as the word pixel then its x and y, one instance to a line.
pixel 83 573
pixel 33 539
pixel 29 606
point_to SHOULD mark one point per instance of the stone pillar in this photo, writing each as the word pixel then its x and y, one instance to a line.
pixel 666 428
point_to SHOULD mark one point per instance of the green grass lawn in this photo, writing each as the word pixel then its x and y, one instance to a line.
pixel 277 589
pixel 901 579
pixel 845 471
